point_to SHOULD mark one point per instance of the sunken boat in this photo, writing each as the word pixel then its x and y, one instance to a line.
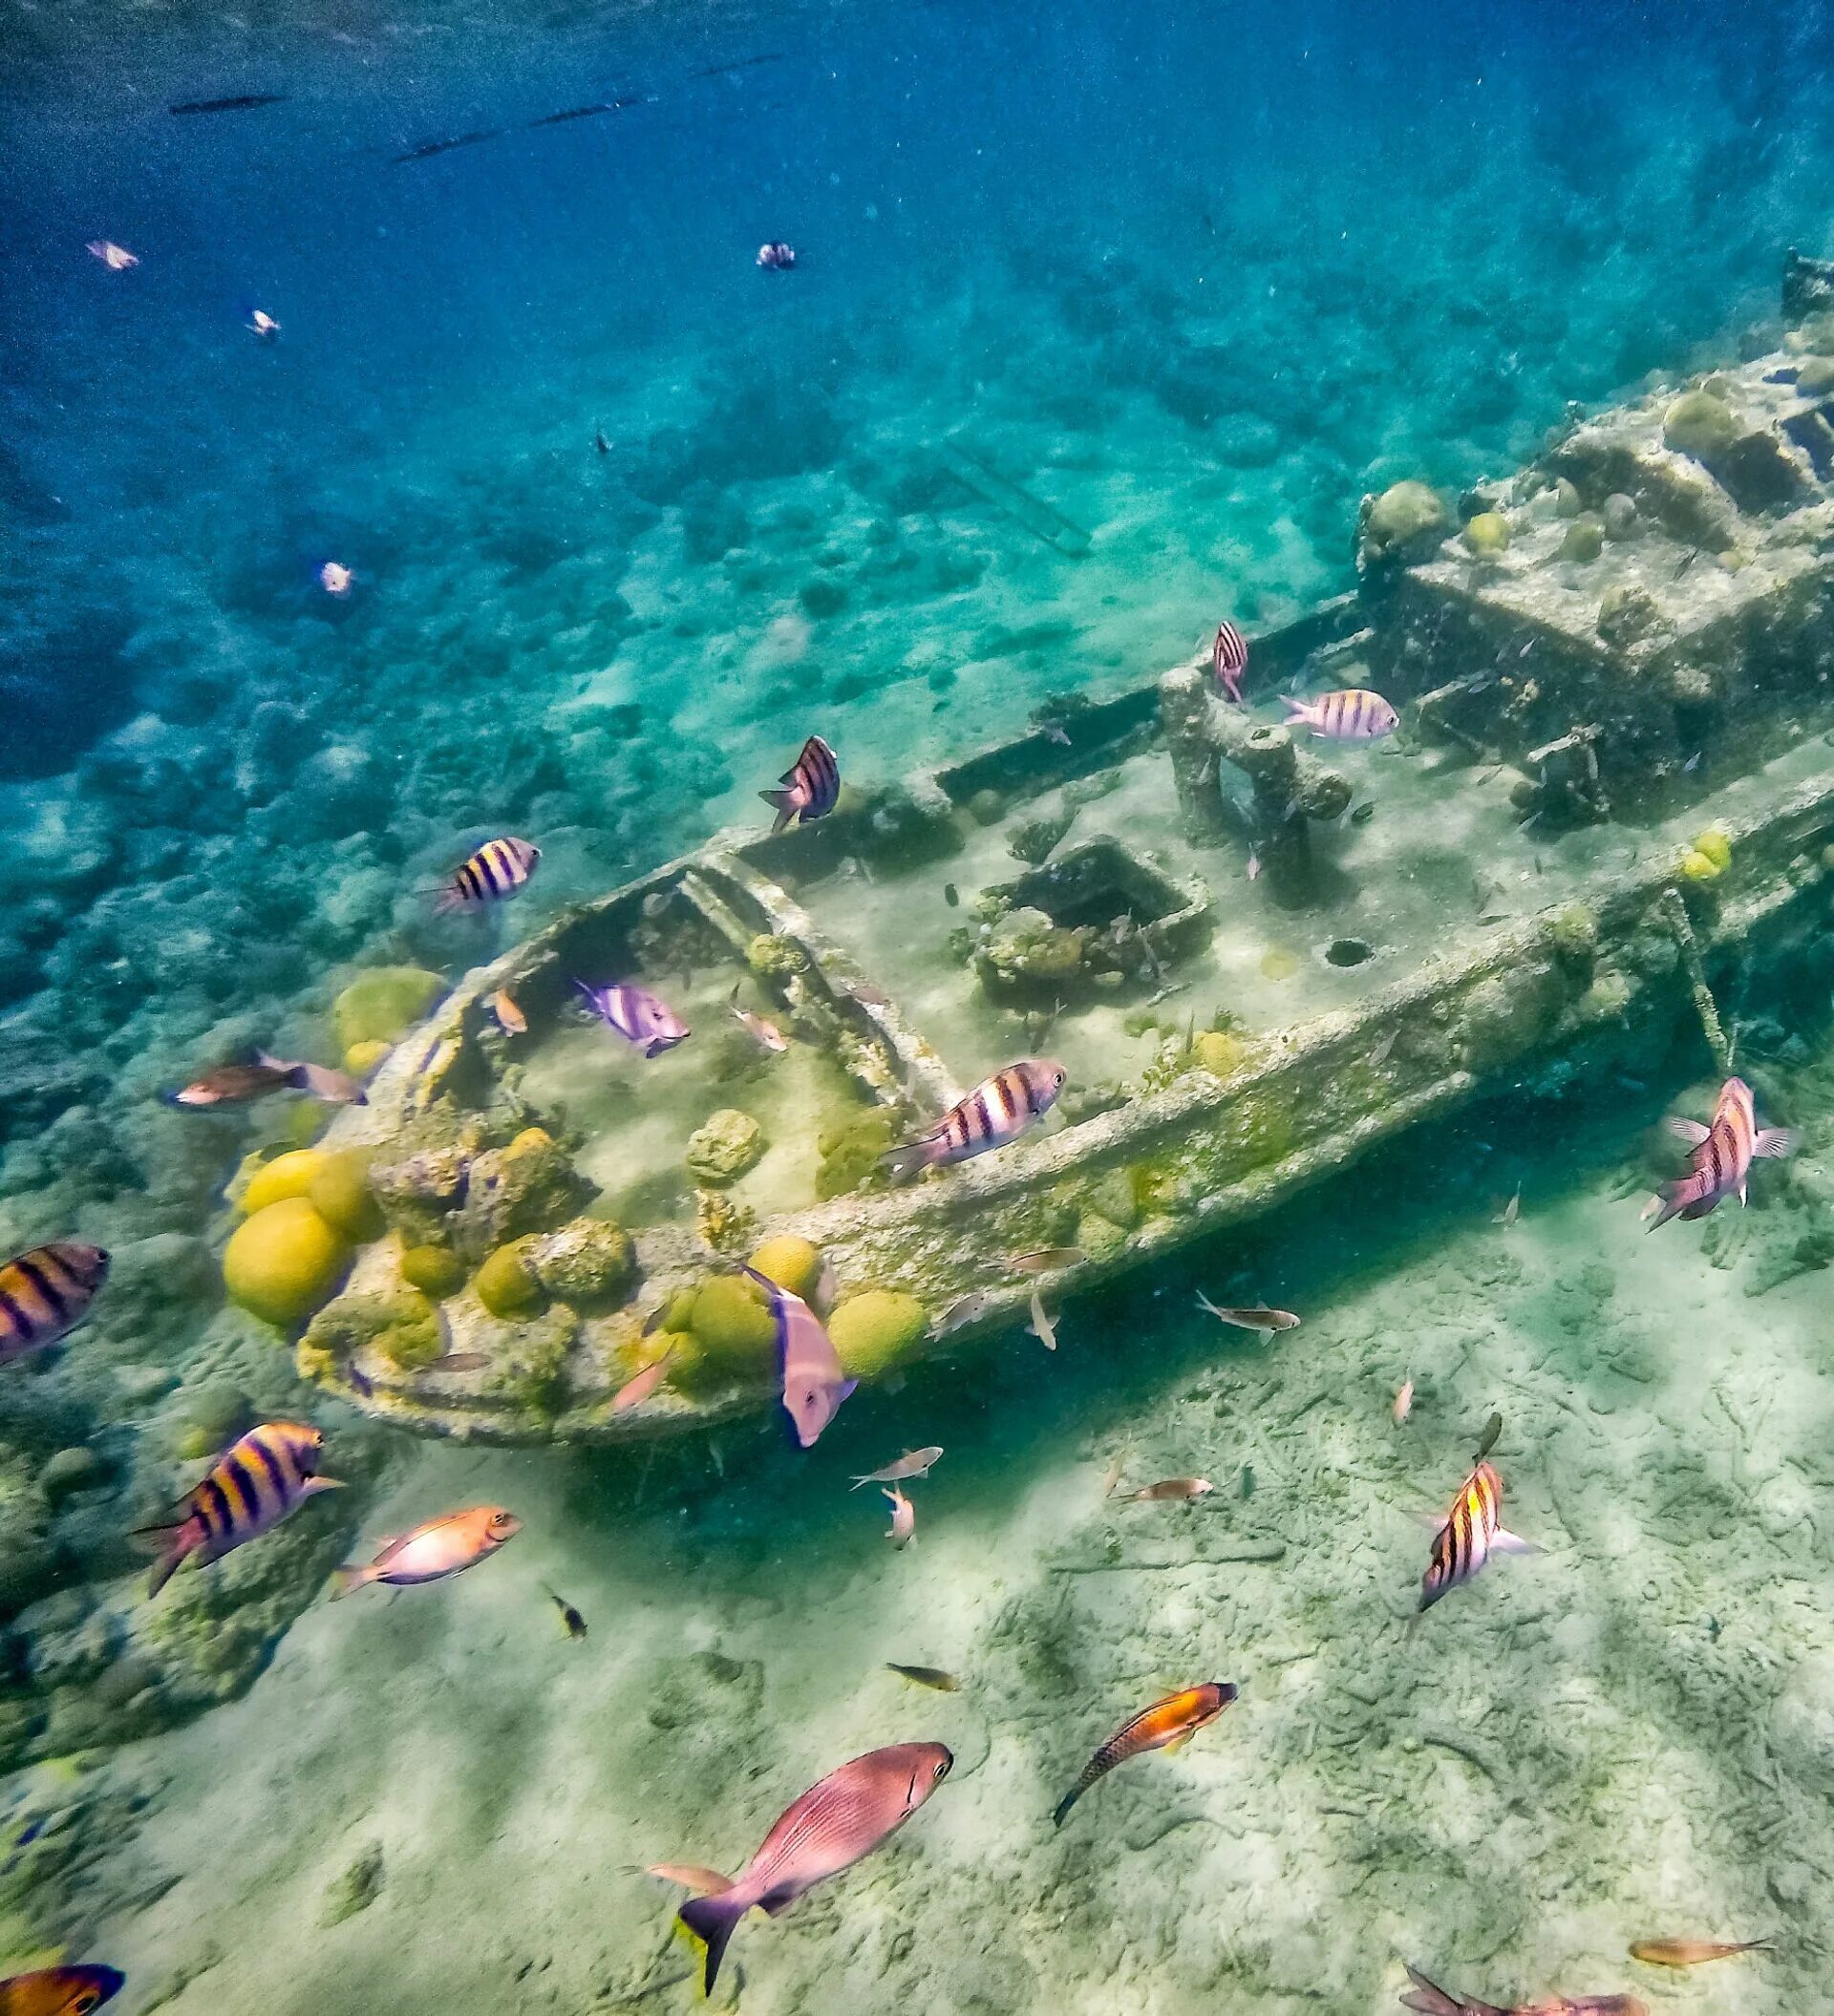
pixel 1258 955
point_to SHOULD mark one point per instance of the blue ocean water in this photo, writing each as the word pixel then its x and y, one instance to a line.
pixel 628 517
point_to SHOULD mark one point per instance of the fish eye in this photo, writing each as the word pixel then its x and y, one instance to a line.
pixel 942 1768
pixel 87 1999
pixel 500 1519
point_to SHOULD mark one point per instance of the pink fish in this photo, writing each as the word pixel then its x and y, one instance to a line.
pixel 638 1016
pixel 1403 1403
pixel 1254 865
pixel 1230 659
pixel 118 259
pixel 1430 2000
pixel 833 1825
pixel 335 1087
pixel 762 1031
pixel 634 1392
pixel 996 1111
pixel 904 1519
pixel 814 1383
pixel 1353 716
pixel 336 578
pixel 1721 1164
pixel 441 1547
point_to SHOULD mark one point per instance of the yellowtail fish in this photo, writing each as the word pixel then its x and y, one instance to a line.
pixel 1169 1489
pixel 1403 1403
pixel 925 1676
pixel 1169 1725
pixel 572 1623
pixel 1719 1166
pixel 1230 659
pixel 506 1016
pixel 444 1546
pixel 904 1519
pixel 263 327
pixel 913 1463
pixel 233 1085
pixel 996 1111
pixel 1694 1952
pixel 832 1826
pixel 269 1473
pixel 691 1875
pixel 809 789
pixel 763 1032
pixel 1470 1534
pixel 1430 2001
pixel 1047 1260
pixel 498 869
pixel 633 1392
pixel 118 259
pixel 336 579
pixel 46 1293
pixel 59 1992
pixel 1041 1326
pixel 1261 1318
pixel 1353 716
pixel 814 1384
pixel 637 1015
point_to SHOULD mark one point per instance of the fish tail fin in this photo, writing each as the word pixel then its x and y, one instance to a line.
pixel 173 1542
pixel 1061 1812
pixel 1668 1203
pixel 1427 1998
pixel 903 1164
pixel 712 1920
pixel 1301 709
pixel 782 803
pixel 347 1580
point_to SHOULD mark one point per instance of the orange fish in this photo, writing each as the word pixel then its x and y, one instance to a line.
pixel 634 1392
pixel 59 1992
pixel 1470 1534
pixel 456 1540
pixel 691 1875
pixel 1169 1725
pixel 1691 1952
pixel 510 1019
pixel 1172 1488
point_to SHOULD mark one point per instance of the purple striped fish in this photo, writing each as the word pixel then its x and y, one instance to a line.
pixel 46 1293
pixel 1720 1163
pixel 997 1111
pixel 809 787
pixel 638 1016
pixel 1353 716
pixel 815 1382
pixel 270 1472
pixel 833 1825
pixel 1471 1534
pixel 498 869
pixel 1230 659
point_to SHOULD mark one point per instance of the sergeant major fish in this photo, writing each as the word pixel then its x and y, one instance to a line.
pixel 814 1384
pixel 639 1016
pixel 1169 1725
pixel 1720 1165
pixel 809 788
pixel 46 1293
pixel 269 1473
pixel 59 1992
pixel 833 1825
pixel 996 1111
pixel 444 1546
pixel 1355 714
pixel 1470 1534
pixel 498 869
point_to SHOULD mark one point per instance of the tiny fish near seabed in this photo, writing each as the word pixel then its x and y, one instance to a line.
pixel 904 1519
pixel 1432 2000
pixel 1230 659
pixel 269 1473
pixel 498 869
pixel 996 1111
pixel 572 1621
pixel 637 1390
pixel 762 1031
pixel 1041 1326
pixel 118 259
pixel 444 1546
pixel 507 1016
pixel 639 1016
pixel 1403 1403
pixel 1471 1534
pixel 833 1825
pixel 1355 714
pixel 1720 1165
pixel 46 1293
pixel 1169 1725
pixel 1168 1491
pixel 814 1384
pixel 1259 1318
pixel 913 1463
pixel 59 1992
pixel 1693 1952
pixel 809 788
pixel 925 1676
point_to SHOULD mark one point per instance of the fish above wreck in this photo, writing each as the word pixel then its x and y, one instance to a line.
pixel 1584 717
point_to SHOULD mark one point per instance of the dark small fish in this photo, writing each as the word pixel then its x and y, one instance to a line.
pixel 726 70
pixel 776 258
pixel 1230 659
pixel 925 1676
pixel 585 112
pixel 1169 1725
pixel 46 1293
pixel 247 101
pixel 234 1085
pixel 427 149
pixel 361 1384
pixel 572 1621
pixel 870 996
pixel 1361 815
pixel 600 442
pixel 951 895
pixel 809 788
pixel 1492 1434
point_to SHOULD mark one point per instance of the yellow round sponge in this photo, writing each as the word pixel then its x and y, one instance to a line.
pixel 283 1262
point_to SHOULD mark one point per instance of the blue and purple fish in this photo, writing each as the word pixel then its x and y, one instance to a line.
pixel 813 1381
pixel 639 1016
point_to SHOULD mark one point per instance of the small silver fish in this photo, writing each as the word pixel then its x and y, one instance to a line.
pixel 1511 1211
pixel 913 1463
pixel 1260 1318
pixel 1047 1260
pixel 1041 1326
pixel 1170 1490
pixel 1403 1403
pixel 964 1309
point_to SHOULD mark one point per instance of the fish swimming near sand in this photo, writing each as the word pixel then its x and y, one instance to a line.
pixel 1259 1318
pixel 507 1016
pixel 1169 1491
pixel 639 1016
pixel 1169 1725
pixel 635 1391
pixel 809 789
pixel 1355 714
pixel 776 257
pixel 243 102
pixel 932 1677
pixel 498 869
pixel 1472 1532
pixel 762 1031
pixel 444 1546
pixel 1041 1326
pixel 1693 1952
pixel 269 1473
pixel 996 1111
pixel 904 1519
pixel 59 1992
pixel 1047 1260
pixel 1488 1441
pixel 572 1623
pixel 118 259
pixel 46 1293
pixel 814 1384
pixel 1403 1404
pixel 913 1463
pixel 1432 2000
pixel 833 1825
pixel 1720 1165
pixel 1230 659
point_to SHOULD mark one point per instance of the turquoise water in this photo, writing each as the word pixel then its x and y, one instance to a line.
pixel 1102 323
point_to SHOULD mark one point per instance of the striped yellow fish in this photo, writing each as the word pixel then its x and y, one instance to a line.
pixel 46 1293
pixel 996 1111
pixel 270 1472
pixel 498 869
pixel 1167 1725
pixel 1355 714
pixel 1471 1534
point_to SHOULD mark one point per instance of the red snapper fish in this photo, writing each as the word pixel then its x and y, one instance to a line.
pixel 1720 1165
pixel 1430 2001
pixel 833 1825
pixel 814 1383
pixel 996 1111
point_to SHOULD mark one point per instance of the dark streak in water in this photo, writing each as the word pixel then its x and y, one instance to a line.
pixel 585 112
pixel 725 70
pixel 245 103
pixel 427 149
